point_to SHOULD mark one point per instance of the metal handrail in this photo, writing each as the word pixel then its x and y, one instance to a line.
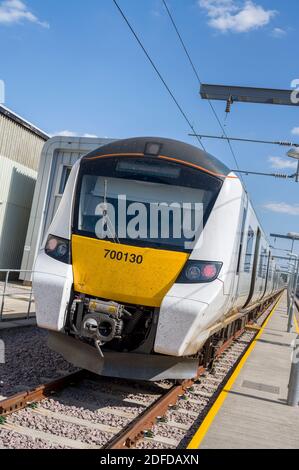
pixel 4 294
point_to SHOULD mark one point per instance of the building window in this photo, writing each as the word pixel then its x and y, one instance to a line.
pixel 249 250
pixel 64 178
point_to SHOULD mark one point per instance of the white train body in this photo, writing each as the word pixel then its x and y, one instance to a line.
pixel 88 296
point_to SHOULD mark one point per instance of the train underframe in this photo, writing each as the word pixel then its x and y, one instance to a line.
pixel 118 340
pixel 216 343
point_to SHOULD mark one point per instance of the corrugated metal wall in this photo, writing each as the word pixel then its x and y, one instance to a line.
pixel 19 144
pixel 17 184
pixel 20 150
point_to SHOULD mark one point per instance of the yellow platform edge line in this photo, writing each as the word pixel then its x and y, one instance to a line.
pixel 296 324
pixel 204 427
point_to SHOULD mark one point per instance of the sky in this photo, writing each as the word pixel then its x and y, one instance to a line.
pixel 73 67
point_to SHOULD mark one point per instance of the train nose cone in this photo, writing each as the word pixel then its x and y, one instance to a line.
pixel 128 274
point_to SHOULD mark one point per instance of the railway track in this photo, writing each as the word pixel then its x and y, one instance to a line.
pixel 85 411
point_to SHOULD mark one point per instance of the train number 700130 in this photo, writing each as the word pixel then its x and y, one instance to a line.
pixel 127 257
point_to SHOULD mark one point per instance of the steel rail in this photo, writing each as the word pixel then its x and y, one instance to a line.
pixel 135 430
pixel 131 434
pixel 22 400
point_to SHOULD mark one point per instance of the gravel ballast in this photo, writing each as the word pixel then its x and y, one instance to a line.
pixel 28 360
pixel 93 410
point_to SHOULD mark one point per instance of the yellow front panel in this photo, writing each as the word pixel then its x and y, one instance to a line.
pixel 124 273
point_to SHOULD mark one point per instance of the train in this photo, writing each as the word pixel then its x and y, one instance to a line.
pixel 154 258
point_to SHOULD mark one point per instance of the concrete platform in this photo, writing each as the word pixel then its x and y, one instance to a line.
pixel 251 412
pixel 16 303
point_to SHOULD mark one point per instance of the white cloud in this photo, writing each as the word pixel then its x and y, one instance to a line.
pixel 156 13
pixel 67 133
pixel 282 208
pixel 295 131
pixel 15 11
pixel 280 163
pixel 229 15
pixel 91 136
pixel 157 9
pixel 278 32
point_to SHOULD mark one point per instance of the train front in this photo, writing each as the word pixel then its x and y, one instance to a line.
pixel 125 235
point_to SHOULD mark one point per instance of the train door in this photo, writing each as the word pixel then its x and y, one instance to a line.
pixel 267 274
pixel 241 285
pixel 255 267
pixel 262 271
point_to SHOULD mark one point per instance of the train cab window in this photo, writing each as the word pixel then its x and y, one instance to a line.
pixel 131 190
pixel 249 250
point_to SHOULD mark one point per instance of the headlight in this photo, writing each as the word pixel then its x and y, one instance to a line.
pixel 59 249
pixel 199 272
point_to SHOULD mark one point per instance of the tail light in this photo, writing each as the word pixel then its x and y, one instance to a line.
pixel 199 272
pixel 59 249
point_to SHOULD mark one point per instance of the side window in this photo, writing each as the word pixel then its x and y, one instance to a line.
pixel 249 250
pixel 64 178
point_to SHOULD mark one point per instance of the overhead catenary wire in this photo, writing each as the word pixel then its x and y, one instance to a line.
pixel 274 175
pixel 255 141
pixel 158 72
pixel 200 82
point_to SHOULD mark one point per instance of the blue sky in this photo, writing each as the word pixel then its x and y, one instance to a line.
pixel 73 65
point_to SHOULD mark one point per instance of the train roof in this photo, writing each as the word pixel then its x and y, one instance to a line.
pixel 157 147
